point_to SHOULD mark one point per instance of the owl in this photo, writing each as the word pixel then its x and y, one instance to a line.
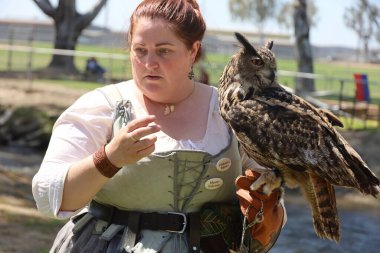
pixel 282 131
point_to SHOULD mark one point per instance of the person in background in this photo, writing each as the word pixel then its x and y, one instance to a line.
pixel 94 68
pixel 147 165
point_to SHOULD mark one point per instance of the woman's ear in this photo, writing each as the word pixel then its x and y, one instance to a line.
pixel 194 50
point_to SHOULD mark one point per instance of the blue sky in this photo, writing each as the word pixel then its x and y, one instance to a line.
pixel 330 29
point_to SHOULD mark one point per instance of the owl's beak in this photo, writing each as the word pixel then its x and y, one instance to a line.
pixel 273 75
pixel 270 75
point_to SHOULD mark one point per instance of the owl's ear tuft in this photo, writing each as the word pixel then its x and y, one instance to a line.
pixel 269 45
pixel 250 49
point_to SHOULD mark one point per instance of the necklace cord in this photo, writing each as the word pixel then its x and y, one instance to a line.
pixel 170 108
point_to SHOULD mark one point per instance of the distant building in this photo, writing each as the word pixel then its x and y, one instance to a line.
pixel 15 30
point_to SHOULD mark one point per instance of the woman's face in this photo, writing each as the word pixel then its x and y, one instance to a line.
pixel 160 60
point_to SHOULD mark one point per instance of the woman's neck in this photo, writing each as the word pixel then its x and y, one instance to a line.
pixel 168 108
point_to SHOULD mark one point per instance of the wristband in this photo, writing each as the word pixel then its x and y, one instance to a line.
pixel 104 166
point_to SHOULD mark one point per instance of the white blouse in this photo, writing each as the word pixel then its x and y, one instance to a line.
pixel 87 124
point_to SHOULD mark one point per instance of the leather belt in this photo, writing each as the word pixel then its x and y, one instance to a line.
pixel 171 221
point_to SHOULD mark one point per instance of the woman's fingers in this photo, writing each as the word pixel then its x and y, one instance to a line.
pixel 139 128
pixel 133 142
pixel 141 122
pixel 144 143
pixel 140 133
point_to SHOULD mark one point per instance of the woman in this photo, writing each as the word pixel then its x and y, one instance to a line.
pixel 151 155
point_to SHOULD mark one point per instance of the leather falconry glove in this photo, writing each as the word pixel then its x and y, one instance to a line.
pixel 263 214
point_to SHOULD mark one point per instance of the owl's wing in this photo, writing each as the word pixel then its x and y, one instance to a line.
pixel 334 120
pixel 284 131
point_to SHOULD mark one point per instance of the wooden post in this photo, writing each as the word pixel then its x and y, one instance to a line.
pixel 341 94
pixel 353 112
pixel 10 43
pixel 366 115
pixel 29 75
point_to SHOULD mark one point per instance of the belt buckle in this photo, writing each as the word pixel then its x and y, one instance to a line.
pixel 184 223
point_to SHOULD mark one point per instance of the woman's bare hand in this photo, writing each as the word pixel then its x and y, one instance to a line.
pixel 133 142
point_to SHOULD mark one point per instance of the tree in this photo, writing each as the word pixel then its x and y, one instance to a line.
pixel 258 11
pixel 363 18
pixel 69 25
pixel 304 52
pixel 301 15
pixel 285 16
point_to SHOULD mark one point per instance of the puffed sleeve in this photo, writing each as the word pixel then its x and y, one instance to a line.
pixel 78 132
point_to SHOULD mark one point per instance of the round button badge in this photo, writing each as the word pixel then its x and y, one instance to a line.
pixel 214 183
pixel 223 164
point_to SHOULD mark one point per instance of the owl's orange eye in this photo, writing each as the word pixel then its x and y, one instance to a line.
pixel 257 61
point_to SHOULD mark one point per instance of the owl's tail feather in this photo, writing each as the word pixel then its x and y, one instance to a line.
pixel 321 196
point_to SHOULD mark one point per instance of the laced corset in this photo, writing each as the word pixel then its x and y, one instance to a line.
pixel 179 180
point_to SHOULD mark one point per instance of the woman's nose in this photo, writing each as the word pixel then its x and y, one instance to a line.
pixel 151 61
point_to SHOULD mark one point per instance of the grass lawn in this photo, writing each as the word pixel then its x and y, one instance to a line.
pixel 73 84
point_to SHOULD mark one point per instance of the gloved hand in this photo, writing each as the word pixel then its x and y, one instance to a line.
pixel 264 210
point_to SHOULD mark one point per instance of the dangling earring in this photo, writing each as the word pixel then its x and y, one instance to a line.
pixel 191 73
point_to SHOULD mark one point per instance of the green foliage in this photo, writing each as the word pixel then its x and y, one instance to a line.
pixel 363 18
pixel 256 10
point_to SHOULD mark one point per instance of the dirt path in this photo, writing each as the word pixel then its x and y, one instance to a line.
pixel 50 98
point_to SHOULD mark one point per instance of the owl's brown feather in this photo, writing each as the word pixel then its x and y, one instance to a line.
pixel 283 131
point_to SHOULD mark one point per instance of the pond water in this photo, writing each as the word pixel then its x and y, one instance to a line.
pixel 360 232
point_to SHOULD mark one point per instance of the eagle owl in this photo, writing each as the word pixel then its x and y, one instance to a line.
pixel 283 131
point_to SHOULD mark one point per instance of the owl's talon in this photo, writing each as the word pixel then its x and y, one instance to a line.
pixel 268 180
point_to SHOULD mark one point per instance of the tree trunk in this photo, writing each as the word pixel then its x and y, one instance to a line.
pixel 303 47
pixel 66 37
pixel 69 25
pixel 365 48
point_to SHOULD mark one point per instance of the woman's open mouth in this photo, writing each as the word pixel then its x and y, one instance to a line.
pixel 152 77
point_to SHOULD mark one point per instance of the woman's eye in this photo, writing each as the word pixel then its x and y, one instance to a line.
pixel 163 51
pixel 140 51
pixel 257 61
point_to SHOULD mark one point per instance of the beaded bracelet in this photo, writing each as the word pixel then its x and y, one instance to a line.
pixel 104 166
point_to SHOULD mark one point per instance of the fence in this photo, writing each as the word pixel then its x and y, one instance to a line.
pixel 343 99
pixel 336 94
pixel 27 59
